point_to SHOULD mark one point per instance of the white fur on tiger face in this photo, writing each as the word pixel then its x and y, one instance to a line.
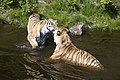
pixel 48 27
pixel 57 40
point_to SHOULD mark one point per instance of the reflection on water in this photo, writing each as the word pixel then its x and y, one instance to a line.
pixel 19 61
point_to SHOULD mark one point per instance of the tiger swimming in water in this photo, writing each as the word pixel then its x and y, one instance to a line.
pixel 38 29
pixel 66 51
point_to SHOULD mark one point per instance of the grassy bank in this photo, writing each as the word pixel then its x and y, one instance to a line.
pixel 95 13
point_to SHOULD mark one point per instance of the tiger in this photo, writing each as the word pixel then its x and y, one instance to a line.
pixel 38 29
pixel 67 51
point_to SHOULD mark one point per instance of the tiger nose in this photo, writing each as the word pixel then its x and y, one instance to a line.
pixel 53 30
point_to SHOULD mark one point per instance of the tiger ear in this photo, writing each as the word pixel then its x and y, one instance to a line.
pixel 58 33
pixel 41 21
pixel 67 30
pixel 55 21
pixel 46 19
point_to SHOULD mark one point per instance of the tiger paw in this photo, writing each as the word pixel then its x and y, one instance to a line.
pixel 34 47
pixel 48 60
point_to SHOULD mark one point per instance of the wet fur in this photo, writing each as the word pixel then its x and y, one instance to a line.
pixel 37 31
pixel 66 50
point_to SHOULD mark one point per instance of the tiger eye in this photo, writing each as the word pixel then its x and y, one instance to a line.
pixel 52 24
pixel 58 33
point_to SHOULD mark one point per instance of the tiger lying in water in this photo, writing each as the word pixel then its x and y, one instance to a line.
pixel 38 29
pixel 65 50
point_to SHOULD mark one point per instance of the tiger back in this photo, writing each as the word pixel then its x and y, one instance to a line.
pixel 66 50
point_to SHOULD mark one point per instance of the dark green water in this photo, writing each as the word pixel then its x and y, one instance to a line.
pixel 19 62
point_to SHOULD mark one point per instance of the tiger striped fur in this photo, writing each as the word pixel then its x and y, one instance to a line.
pixel 38 29
pixel 66 50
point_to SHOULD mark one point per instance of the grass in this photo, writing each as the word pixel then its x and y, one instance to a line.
pixel 67 13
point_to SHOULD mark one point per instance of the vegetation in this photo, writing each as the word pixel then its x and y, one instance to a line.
pixel 95 13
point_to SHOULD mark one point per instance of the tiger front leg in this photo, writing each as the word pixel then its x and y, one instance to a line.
pixel 56 55
pixel 32 41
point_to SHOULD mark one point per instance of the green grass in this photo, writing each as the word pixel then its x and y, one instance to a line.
pixel 66 12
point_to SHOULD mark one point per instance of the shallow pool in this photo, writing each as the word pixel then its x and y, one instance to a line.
pixel 19 62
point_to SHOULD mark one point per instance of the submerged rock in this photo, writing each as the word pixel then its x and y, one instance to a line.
pixel 78 29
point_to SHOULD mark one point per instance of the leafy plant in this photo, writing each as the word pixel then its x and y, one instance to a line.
pixel 95 13
pixel 106 1
pixel 5 3
pixel 110 8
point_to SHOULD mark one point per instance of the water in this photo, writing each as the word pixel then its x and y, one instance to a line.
pixel 19 62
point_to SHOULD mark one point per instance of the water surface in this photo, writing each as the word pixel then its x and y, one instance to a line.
pixel 18 61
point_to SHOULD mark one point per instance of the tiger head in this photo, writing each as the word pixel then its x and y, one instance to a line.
pixel 61 36
pixel 50 25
